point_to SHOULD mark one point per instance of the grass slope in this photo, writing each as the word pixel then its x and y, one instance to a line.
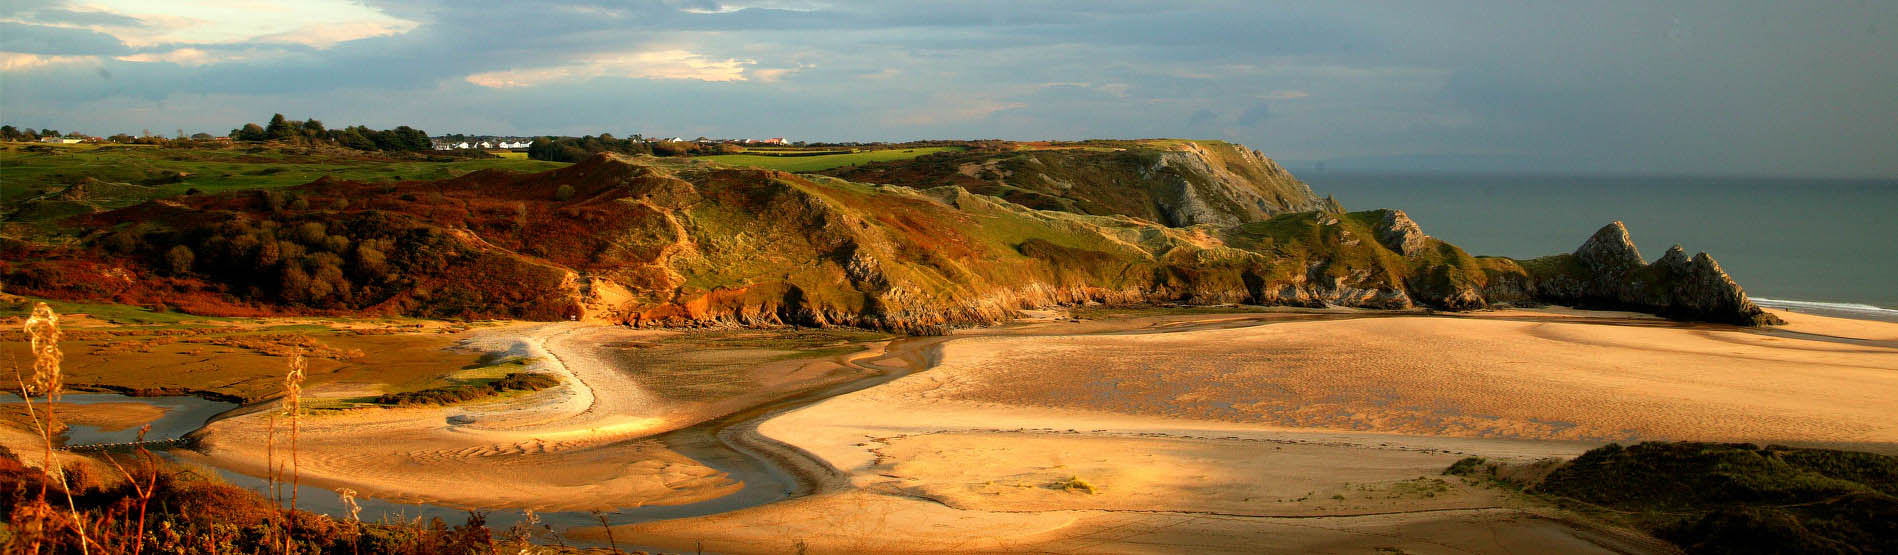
pixel 31 169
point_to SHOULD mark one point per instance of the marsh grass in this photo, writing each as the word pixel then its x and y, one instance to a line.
pixel 158 507
pixel 1076 483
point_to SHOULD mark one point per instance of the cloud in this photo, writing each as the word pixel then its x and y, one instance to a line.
pixel 193 57
pixel 16 61
pixel 43 39
pixel 658 64
pixel 147 23
pixel 1255 115
pixel 1667 85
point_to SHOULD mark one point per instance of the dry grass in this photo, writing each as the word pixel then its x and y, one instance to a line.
pixel 42 330
pixel 293 407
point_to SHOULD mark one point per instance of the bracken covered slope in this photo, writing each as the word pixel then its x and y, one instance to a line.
pixel 652 242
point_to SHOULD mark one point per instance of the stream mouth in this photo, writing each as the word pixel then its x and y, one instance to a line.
pixel 723 443
pixel 770 471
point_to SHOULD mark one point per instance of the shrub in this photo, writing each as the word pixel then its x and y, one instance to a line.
pixel 311 233
pixel 564 193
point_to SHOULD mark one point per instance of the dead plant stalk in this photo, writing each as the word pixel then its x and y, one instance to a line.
pixel 42 330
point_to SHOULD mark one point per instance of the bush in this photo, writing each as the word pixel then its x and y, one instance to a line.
pixel 564 193
pixel 179 258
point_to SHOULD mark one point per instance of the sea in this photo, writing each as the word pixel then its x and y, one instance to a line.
pixel 1826 246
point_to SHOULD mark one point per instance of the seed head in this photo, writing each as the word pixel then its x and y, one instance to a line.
pixel 42 329
pixel 293 385
pixel 349 503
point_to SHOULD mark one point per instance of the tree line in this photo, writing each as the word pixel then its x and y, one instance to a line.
pixel 311 131
pixel 280 128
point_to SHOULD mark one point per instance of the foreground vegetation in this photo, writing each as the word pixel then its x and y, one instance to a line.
pixel 1726 497
pixel 159 508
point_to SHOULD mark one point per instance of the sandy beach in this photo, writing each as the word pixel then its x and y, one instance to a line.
pixel 1294 436
pixel 1281 431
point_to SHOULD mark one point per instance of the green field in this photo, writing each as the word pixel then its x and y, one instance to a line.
pixel 825 162
pixel 27 174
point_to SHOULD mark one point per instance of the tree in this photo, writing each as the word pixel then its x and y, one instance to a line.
pixel 8 132
pixel 279 128
pixel 313 128
pixel 250 132
pixel 180 259
pixel 352 137
pixel 201 136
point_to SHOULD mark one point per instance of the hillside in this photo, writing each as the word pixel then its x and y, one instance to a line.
pixel 650 241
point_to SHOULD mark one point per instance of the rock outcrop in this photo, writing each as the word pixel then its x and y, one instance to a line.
pixel 1401 234
pixel 1607 271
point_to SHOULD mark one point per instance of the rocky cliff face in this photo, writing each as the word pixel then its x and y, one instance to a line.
pixel 660 242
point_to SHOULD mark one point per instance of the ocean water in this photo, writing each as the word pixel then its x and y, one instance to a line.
pixel 1823 245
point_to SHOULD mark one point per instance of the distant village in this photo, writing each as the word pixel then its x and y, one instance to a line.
pixel 487 142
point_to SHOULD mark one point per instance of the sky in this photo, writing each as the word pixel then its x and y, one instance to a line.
pixel 1723 87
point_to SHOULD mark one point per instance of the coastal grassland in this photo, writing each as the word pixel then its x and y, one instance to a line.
pixel 784 160
pixel 242 359
pixel 20 307
pixel 32 170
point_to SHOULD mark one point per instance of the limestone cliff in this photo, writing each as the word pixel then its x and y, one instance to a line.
pixel 1169 182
